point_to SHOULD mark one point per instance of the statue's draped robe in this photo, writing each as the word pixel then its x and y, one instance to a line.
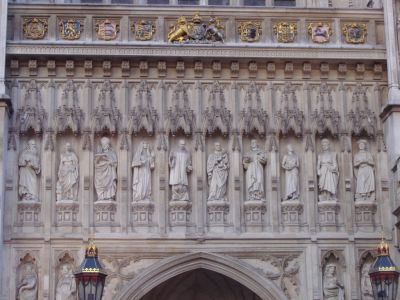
pixel 66 288
pixel 142 177
pixel 332 291
pixel 29 167
pixel 178 179
pixel 290 163
pixel 105 179
pixel 255 174
pixel 328 172
pixel 217 170
pixel 68 174
pixel 28 288
pixel 365 174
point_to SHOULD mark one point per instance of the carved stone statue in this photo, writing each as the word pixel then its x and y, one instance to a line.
pixel 364 169
pixel 105 171
pixel 180 164
pixel 68 175
pixel 291 165
pixel 328 173
pixel 254 162
pixel 366 287
pixel 217 172
pixel 27 287
pixel 29 168
pixel 333 289
pixel 66 285
pixel 142 164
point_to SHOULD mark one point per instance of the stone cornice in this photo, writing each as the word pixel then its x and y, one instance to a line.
pixel 388 110
pixel 194 51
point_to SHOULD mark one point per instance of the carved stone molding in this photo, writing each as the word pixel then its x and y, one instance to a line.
pixel 254 212
pixel 67 213
pixel 180 213
pixel 291 212
pixel 365 214
pixel 217 212
pixel 142 213
pixel 105 212
pixel 327 211
pixel 28 213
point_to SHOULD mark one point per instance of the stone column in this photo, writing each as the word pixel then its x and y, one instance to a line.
pixel 5 110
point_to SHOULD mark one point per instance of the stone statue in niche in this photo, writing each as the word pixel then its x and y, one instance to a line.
pixel 253 163
pixel 27 287
pixel 328 173
pixel 364 169
pixel 68 175
pixel 333 289
pixel 217 173
pixel 66 285
pixel 180 164
pixel 366 287
pixel 105 171
pixel 291 165
pixel 29 169
pixel 142 164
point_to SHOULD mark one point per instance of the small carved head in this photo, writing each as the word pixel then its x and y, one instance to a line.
pixel 68 147
pixel 289 148
pixel 32 145
pixel 325 144
pixel 182 144
pixel 105 143
pixel 330 270
pixel 254 144
pixel 362 144
pixel 217 146
pixel 145 145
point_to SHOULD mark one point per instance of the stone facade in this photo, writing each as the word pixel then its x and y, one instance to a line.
pixel 265 132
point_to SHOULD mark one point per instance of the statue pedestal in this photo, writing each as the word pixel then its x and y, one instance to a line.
pixel 217 213
pixel 67 213
pixel 327 211
pixel 28 213
pixel 254 211
pixel 142 213
pixel 291 212
pixel 365 213
pixel 179 213
pixel 105 212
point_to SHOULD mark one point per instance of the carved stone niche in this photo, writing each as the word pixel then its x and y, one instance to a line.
pixel 32 115
pixel 67 213
pixel 217 117
pixel 180 213
pixel 27 282
pixel 65 287
pixel 252 117
pixel 142 213
pixel 328 214
pixel 179 116
pixel 105 213
pixel 291 212
pixel 367 258
pixel 289 118
pixel 333 268
pixel 143 115
pixel 28 213
pixel 69 115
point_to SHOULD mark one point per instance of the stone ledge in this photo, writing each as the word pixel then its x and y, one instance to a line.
pixel 388 110
pixel 194 51
pixel 6 100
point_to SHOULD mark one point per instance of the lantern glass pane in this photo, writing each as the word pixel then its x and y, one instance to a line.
pixel 81 290
pixel 99 291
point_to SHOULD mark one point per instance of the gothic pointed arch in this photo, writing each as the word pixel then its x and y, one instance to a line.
pixel 226 265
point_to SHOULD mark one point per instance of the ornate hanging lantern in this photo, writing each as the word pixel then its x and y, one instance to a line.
pixel 91 277
pixel 384 275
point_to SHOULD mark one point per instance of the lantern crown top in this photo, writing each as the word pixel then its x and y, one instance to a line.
pixel 91 249
pixel 383 248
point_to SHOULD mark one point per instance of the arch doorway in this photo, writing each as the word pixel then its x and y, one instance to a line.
pixel 197 269
pixel 201 284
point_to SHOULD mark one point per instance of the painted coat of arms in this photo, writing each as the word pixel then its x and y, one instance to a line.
pixel 35 28
pixel 143 30
pixel 320 32
pixel 355 33
pixel 107 29
pixel 250 31
pixel 70 29
pixel 285 32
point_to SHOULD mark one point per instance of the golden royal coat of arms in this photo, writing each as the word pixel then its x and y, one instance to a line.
pixel 285 32
pixel 70 29
pixel 250 31
pixel 143 30
pixel 320 32
pixel 35 28
pixel 107 29
pixel 355 33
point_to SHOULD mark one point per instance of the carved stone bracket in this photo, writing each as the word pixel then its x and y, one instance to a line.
pixel 67 213
pixel 365 213
pixel 105 212
pixel 142 213
pixel 328 211
pixel 254 212
pixel 217 212
pixel 291 212
pixel 180 213
pixel 28 213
